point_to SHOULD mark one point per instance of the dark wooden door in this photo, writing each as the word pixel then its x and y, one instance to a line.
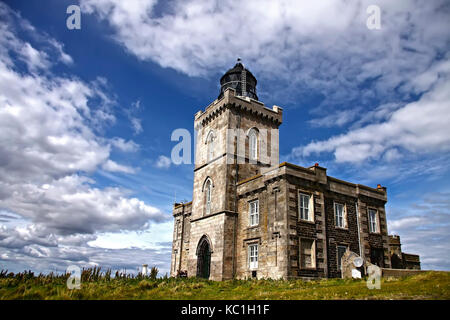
pixel 377 257
pixel 203 260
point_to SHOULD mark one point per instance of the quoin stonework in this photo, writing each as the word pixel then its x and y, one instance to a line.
pixel 251 218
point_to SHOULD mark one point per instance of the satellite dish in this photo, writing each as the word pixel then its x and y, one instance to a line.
pixel 358 262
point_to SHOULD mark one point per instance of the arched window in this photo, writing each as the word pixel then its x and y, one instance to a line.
pixel 210 142
pixel 253 145
pixel 208 195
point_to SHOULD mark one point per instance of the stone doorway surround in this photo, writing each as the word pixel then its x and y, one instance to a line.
pixel 204 258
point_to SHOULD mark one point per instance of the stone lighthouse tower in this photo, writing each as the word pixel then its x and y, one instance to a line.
pixel 236 139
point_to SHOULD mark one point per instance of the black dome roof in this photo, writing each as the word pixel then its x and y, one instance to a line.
pixel 233 79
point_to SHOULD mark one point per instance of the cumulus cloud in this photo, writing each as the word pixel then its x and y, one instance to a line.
pixel 36 60
pixel 50 147
pixel 113 166
pixel 136 124
pixel 21 237
pixel 33 58
pixel 42 122
pixel 418 127
pixel 47 140
pixel 42 253
pixel 125 146
pixel 163 162
pixel 322 48
pixel 71 205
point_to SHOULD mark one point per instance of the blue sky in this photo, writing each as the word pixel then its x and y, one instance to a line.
pixel 86 115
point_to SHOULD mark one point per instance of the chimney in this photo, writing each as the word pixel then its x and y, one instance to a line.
pixel 321 173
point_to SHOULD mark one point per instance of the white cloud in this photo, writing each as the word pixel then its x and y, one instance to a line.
pixel 34 59
pixel 163 162
pixel 72 205
pixel 156 237
pixel 136 123
pixel 43 253
pixel 47 142
pixel 51 142
pixel 137 126
pixel 295 47
pixel 64 57
pixel 42 122
pixel 404 223
pixel 125 146
pixel 339 119
pixel 425 230
pixel 418 127
pixel 113 166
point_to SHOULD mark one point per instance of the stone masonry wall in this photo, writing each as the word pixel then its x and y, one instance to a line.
pixel 213 227
pixel 312 230
pixel 270 234
pixel 340 236
pixel 181 235
pixel 370 240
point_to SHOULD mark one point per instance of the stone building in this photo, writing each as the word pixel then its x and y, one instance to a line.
pixel 253 217
pixel 399 259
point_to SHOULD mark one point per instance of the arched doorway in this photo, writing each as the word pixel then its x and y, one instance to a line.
pixel 203 258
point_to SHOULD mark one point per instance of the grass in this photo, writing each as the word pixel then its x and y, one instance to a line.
pixel 100 285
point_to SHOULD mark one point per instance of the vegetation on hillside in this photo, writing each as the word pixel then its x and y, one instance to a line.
pixel 101 285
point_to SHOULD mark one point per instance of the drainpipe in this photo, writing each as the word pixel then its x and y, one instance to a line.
pixel 359 232
pixel 276 234
pixel 325 242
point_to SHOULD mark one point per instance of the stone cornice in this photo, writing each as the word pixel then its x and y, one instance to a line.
pixel 317 174
pixel 230 213
pixel 230 100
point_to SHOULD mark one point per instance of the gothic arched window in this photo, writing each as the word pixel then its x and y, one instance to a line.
pixel 208 195
pixel 253 145
pixel 210 143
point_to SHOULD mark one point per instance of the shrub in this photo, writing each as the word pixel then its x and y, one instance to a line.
pixel 154 272
pixel 145 285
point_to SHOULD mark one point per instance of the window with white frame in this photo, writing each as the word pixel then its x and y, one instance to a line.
pixel 254 213
pixel 253 256
pixel 373 220
pixel 340 215
pixel 208 190
pixel 305 207
pixel 210 142
pixel 307 254
pixel 253 145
